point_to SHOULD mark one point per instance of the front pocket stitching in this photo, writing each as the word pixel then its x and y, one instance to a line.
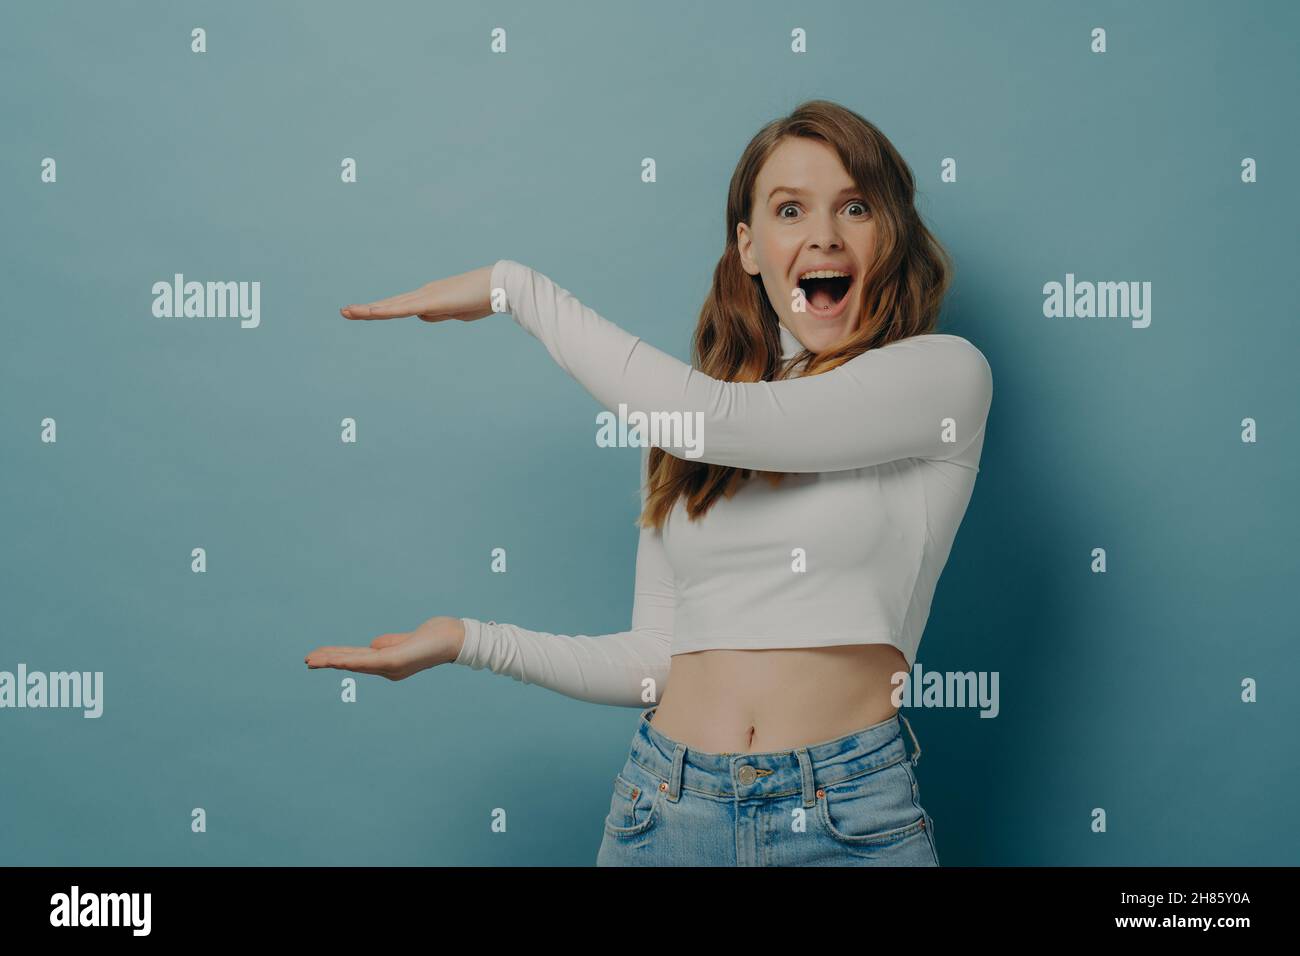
pixel 883 836
pixel 644 824
pixel 624 786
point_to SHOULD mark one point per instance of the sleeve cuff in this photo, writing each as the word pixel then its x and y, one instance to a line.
pixel 502 270
pixel 468 655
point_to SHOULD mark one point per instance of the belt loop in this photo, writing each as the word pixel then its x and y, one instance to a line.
pixel 809 787
pixel 916 744
pixel 675 774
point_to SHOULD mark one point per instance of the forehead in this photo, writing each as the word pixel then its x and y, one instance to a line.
pixel 801 163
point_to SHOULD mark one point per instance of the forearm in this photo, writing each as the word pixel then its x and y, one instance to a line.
pixel 627 669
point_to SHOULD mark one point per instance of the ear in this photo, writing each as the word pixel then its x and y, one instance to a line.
pixel 745 246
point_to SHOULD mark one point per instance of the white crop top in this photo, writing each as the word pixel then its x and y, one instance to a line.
pixel 848 549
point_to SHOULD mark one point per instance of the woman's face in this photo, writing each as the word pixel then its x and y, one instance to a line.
pixel 809 215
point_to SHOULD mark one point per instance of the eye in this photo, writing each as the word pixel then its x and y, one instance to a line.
pixel 783 207
pixel 859 203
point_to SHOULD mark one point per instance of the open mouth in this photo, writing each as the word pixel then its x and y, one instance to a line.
pixel 825 294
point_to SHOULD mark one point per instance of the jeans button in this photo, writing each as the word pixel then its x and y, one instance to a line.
pixel 748 775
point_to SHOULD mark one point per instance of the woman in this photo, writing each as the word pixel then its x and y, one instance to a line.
pixel 787 559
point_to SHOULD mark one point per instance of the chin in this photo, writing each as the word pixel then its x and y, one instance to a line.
pixel 819 336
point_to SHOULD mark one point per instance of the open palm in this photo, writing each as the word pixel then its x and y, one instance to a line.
pixel 399 655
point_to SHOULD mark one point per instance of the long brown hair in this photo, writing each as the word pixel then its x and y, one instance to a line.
pixel 737 338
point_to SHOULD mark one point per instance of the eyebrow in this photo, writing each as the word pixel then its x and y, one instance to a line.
pixel 804 192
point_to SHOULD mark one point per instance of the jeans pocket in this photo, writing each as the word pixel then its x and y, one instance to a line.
pixel 634 804
pixel 874 808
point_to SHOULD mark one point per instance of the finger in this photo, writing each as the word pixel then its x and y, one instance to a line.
pixel 394 307
pixel 332 656
pixel 388 640
pixel 373 310
pixel 363 660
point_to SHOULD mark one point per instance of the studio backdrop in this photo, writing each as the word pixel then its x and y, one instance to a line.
pixel 192 502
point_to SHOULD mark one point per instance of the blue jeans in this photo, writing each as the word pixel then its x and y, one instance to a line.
pixel 852 801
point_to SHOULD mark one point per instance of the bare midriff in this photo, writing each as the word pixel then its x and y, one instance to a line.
pixel 751 701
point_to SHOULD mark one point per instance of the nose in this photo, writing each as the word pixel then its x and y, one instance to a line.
pixel 824 234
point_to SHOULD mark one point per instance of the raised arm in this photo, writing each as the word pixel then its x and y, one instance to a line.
pixel 603 669
pixel 923 397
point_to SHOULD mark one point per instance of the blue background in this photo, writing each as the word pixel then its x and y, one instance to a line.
pixel 1118 690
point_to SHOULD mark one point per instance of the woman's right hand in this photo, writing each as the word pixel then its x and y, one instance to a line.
pixel 396 656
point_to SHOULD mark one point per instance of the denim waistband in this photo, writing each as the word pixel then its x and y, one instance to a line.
pixel 776 773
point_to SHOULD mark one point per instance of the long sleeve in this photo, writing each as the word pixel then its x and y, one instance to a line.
pixel 603 669
pixel 922 397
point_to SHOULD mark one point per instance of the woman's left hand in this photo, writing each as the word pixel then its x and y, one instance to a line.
pixel 397 656
pixel 465 297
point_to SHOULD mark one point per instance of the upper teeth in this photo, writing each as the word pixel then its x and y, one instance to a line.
pixel 824 274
